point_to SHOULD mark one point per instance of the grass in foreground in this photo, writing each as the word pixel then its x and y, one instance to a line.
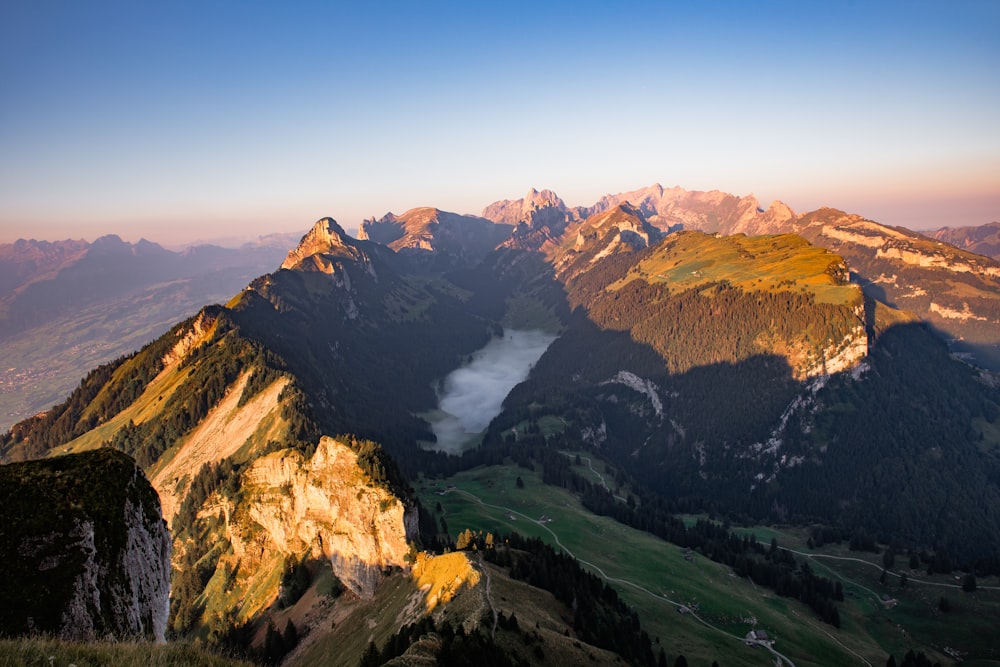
pixel 46 652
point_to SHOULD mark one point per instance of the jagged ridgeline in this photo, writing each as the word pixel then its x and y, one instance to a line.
pixel 226 413
pixel 734 371
pixel 758 376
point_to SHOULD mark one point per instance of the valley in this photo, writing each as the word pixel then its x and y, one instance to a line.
pixel 657 579
pixel 69 306
pixel 633 428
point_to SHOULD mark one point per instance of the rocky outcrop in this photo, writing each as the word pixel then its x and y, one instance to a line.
pixel 324 248
pixel 86 550
pixel 327 505
pixel 671 209
pixel 621 229
pixel 956 290
pixel 429 231
pixel 535 209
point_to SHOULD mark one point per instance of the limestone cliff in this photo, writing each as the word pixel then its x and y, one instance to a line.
pixel 534 210
pixel 86 550
pixel 325 505
pixel 675 208
pixel 423 232
pixel 324 247
pixel 620 229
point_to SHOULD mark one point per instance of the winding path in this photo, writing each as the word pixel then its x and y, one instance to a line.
pixel 662 598
pixel 909 579
pixel 590 465
pixel 489 597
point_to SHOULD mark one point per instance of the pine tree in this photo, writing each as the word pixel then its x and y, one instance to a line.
pixel 290 637
pixel 274 645
pixel 370 658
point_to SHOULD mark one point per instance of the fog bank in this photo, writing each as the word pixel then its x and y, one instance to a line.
pixel 472 395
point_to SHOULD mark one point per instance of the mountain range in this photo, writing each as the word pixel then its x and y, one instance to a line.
pixel 813 370
pixel 982 240
pixel 68 306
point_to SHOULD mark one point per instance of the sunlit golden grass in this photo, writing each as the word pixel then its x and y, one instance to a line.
pixel 148 404
pixel 763 263
pixel 442 577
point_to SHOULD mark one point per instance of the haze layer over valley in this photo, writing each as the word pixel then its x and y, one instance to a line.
pixel 473 394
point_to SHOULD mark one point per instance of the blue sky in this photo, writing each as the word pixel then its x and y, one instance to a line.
pixel 177 121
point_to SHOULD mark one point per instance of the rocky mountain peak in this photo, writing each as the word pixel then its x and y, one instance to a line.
pixel 535 209
pixel 624 217
pixel 982 240
pixel 324 243
pixel 751 219
pixel 430 234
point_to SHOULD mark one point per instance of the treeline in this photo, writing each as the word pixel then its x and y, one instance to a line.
pixel 902 453
pixel 905 455
pixel 380 468
pixel 370 366
pixel 211 477
pixel 772 568
pixel 113 387
pixel 454 646
pixel 718 322
pixel 912 659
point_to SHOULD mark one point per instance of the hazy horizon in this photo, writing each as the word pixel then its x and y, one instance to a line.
pixel 231 238
pixel 187 121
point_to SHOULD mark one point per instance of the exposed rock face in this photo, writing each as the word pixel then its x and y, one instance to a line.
pixel 535 209
pixel 322 248
pixel 982 240
pixel 675 208
pixel 86 550
pixel 620 229
pixel 421 231
pixel 667 209
pixel 326 504
pixel 956 290
pixel 223 431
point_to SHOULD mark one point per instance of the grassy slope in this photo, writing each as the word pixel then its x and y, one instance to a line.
pixel 457 579
pixel 766 263
pixel 724 599
pixel 51 358
pixel 146 406
pixel 915 621
pixel 398 600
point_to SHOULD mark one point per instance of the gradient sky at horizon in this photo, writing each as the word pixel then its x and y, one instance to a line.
pixel 183 121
